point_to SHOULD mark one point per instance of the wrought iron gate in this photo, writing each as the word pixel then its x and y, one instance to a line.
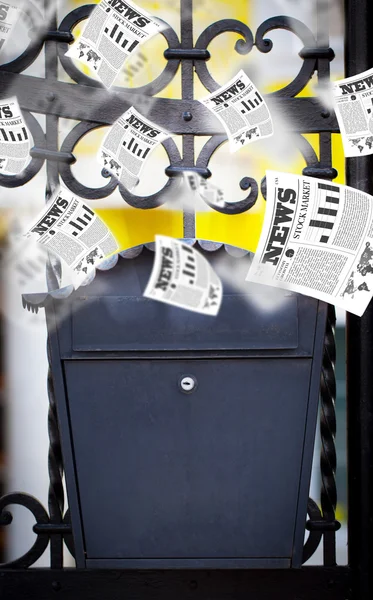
pixel 56 99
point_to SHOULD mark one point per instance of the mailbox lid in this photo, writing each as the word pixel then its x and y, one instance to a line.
pixel 209 475
pixel 124 323
pixel 111 315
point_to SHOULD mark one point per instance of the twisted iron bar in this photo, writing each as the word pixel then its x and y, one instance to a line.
pixel 328 458
pixel 55 527
pixel 322 523
pixel 56 496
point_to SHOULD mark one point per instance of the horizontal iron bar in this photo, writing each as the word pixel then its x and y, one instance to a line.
pixel 173 171
pixel 322 172
pixel 97 105
pixel 52 528
pixel 192 53
pixel 52 155
pixel 323 525
pixel 99 354
pixel 317 53
pixel 57 36
pixel 75 584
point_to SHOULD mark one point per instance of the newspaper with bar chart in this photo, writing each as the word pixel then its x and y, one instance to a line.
pixel 242 110
pixel 317 239
pixel 128 144
pixel 113 32
pixel 14 138
pixel 71 230
pixel 354 111
pixel 181 276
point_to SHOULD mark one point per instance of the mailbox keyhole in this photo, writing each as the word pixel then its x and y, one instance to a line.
pixel 188 384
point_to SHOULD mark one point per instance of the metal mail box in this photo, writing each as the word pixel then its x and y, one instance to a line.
pixel 187 439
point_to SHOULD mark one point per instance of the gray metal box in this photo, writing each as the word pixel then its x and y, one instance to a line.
pixel 156 477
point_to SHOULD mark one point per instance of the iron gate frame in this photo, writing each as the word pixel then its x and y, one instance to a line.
pixel 56 99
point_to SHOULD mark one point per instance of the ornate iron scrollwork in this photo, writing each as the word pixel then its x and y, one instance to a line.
pixel 242 46
pixel 55 527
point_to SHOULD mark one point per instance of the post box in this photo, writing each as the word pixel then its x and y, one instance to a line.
pixel 187 439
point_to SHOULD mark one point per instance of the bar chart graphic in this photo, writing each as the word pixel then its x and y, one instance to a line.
pixel 190 265
pixel 326 211
pixel 253 103
pixel 14 136
pixel 133 146
pixel 117 37
pixel 83 221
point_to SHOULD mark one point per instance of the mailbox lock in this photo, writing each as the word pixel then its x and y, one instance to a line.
pixel 188 384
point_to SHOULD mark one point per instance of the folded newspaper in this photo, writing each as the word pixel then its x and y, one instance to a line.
pixel 354 111
pixel 14 138
pixel 74 232
pixel 210 193
pixel 242 110
pixel 317 239
pixel 127 145
pixel 114 31
pixel 9 14
pixel 182 277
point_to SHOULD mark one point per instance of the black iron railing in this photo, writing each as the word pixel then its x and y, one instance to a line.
pixel 87 102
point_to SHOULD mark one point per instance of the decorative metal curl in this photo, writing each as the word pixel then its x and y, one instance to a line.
pixel 308 154
pixel 153 201
pixel 247 183
pixel 159 84
pixel 241 206
pixel 68 145
pixel 163 195
pixel 46 530
pixel 41 517
pixel 305 35
pixel 242 46
pixel 314 537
